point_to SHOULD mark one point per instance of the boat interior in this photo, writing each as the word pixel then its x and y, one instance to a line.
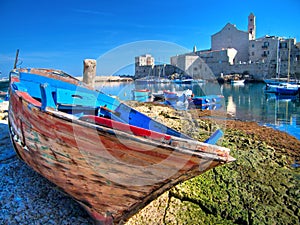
pixel 84 103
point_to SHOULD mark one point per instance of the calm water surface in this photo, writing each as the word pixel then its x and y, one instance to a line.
pixel 245 102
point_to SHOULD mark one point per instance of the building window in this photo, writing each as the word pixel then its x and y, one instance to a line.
pixel 252 45
pixel 283 45
pixel 252 53
pixel 264 54
pixel 266 44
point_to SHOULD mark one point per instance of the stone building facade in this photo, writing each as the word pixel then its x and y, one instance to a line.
pixel 282 55
pixel 231 37
pixel 144 65
pixel 235 51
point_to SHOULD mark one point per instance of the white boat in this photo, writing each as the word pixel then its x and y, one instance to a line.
pixel 282 88
pixel 158 95
pixel 177 95
pixel 238 82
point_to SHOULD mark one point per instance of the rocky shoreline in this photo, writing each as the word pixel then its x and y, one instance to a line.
pixel 261 187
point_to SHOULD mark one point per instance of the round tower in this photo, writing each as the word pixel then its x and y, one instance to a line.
pixel 251 26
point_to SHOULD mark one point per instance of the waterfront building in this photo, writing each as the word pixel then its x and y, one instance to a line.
pixel 231 37
pixel 144 65
pixel 234 51
pixel 280 54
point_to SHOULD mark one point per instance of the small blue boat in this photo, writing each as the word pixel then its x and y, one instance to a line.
pixel 207 102
pixel 141 95
pixel 287 89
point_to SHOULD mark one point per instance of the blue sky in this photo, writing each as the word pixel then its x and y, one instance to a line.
pixel 60 34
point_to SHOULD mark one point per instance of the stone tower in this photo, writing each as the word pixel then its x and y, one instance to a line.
pixel 194 49
pixel 251 26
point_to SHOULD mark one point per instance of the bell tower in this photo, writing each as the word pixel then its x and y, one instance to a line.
pixel 251 26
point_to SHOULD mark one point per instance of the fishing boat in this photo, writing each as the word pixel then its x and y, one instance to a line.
pixel 238 82
pixel 177 95
pixel 282 89
pixel 207 102
pixel 109 157
pixel 158 95
pixel 287 89
pixel 141 95
pixel 282 86
pixel 145 80
pixel 4 82
pixel 184 80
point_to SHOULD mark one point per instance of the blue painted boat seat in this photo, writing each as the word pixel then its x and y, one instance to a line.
pixel 70 97
pixel 76 102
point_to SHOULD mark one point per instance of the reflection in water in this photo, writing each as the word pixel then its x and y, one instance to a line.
pixel 231 106
pixel 280 112
pixel 246 102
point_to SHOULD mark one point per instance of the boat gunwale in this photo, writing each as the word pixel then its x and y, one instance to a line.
pixel 147 141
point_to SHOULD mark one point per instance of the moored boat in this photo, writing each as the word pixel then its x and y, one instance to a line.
pixel 158 95
pixel 207 102
pixel 109 157
pixel 141 95
pixel 238 82
pixel 4 82
pixel 282 88
pixel 288 89
pixel 177 95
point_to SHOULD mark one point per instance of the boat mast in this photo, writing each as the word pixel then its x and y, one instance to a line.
pixel 277 59
pixel 16 59
pixel 289 60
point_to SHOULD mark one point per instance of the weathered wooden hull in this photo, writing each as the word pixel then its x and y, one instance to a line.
pixel 112 173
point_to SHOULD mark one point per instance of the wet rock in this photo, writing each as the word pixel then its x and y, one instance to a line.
pixel 261 187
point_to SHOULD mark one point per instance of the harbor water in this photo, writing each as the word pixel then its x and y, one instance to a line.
pixel 246 102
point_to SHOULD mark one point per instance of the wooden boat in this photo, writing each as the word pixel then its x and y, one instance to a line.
pixel 109 157
pixel 141 95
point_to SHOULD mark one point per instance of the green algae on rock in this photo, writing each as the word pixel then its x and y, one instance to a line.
pixel 259 188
